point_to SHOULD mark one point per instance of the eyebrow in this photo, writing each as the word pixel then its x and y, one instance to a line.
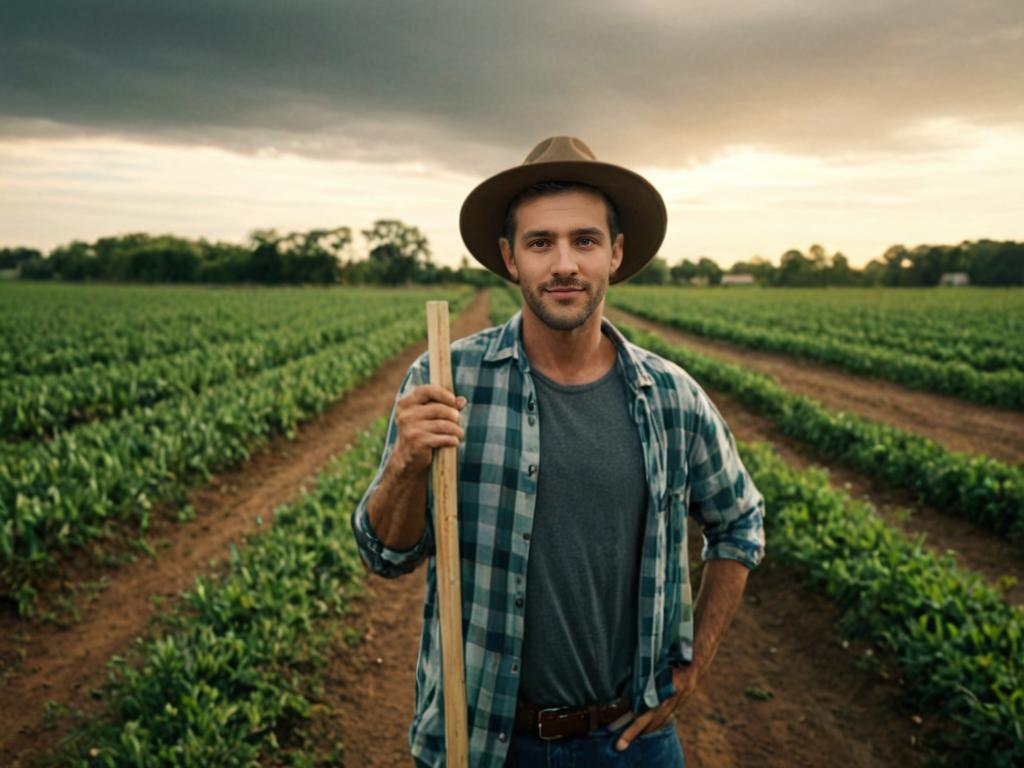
pixel 591 231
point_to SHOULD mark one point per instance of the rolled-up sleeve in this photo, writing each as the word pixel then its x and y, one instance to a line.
pixel 382 560
pixel 723 496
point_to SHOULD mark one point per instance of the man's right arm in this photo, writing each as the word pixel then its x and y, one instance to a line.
pixel 392 523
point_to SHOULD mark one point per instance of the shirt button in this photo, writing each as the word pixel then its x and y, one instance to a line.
pixel 532 421
pixel 519 602
pixel 515 667
pixel 526 536
pixel 502 736
pixel 532 470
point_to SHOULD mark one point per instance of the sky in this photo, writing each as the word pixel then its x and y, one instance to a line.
pixel 766 126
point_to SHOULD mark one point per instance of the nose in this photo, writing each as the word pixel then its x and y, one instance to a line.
pixel 565 263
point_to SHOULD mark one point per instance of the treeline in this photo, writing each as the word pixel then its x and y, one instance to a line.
pixel 397 254
pixel 985 262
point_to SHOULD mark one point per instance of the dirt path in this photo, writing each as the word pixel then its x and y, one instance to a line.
pixel 957 424
pixel 43 662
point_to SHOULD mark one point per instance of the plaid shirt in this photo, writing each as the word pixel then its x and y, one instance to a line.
pixel 691 466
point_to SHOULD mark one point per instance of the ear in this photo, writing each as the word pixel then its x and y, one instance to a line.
pixel 617 253
pixel 508 258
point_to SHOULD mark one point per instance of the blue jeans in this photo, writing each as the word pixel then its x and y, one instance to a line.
pixel 657 749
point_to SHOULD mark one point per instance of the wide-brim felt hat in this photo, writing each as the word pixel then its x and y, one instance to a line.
pixel 641 209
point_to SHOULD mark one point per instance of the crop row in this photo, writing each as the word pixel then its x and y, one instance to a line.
pixel 58 494
pixel 58 328
pixel 978 488
pixel 66 327
pixel 979 353
pixel 503 304
pixel 41 403
pixel 960 647
pixel 238 655
pixel 983 328
pixel 1004 387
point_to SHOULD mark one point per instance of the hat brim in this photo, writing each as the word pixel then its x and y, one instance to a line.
pixel 641 210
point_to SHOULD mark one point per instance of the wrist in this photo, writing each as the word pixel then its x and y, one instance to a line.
pixel 404 466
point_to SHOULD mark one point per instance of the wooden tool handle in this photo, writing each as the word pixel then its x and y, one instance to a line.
pixel 446 536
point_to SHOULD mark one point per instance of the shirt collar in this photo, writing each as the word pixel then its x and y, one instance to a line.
pixel 509 344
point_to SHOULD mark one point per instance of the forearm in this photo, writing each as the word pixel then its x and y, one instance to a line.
pixel 397 508
pixel 721 591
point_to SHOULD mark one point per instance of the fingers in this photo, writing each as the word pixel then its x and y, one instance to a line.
pixel 635 728
pixel 651 720
pixel 426 393
pixel 432 410
pixel 427 418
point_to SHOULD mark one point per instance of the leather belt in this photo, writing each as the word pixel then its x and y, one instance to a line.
pixel 557 722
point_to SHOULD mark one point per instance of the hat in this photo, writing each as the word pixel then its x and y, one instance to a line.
pixel 641 211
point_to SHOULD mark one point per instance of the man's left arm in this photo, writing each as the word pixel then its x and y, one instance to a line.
pixel 721 590
pixel 724 498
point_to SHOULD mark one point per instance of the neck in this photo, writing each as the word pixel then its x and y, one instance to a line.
pixel 577 356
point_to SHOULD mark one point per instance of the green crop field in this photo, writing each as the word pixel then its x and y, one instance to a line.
pixel 967 342
pixel 115 400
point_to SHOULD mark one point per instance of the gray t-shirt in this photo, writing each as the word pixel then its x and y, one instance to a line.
pixel 582 581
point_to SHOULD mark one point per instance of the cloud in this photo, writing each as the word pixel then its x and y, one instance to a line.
pixel 473 86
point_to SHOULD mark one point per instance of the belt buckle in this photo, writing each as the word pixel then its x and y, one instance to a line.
pixel 540 724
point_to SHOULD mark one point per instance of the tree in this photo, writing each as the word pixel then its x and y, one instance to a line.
pixel 75 261
pixel 683 272
pixel 12 258
pixel 839 272
pixel 314 256
pixel 709 269
pixel 396 250
pixel 897 260
pixel 655 273
pixel 795 269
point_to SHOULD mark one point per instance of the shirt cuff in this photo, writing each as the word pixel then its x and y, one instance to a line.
pixel 724 550
pixel 396 556
pixel 383 560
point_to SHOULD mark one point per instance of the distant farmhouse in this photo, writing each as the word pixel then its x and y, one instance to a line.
pixel 955 278
pixel 701 281
pixel 740 279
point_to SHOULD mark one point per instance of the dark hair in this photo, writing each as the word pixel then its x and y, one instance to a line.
pixel 546 189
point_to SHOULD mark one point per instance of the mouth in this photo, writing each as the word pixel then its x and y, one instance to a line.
pixel 564 290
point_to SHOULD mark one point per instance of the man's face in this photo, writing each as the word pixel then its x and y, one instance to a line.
pixel 563 257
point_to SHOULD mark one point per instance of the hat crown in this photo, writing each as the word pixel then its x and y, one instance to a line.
pixel 559 149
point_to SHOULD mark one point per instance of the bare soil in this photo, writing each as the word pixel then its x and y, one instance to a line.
pixel 43 661
pixel 959 425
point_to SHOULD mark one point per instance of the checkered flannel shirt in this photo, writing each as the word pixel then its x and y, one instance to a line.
pixel 691 465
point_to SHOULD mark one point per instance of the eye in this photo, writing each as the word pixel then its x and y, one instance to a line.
pixel 586 241
pixel 536 243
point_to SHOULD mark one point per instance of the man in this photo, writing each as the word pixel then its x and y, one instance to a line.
pixel 580 456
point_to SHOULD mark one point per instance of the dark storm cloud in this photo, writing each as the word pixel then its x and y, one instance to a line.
pixel 472 85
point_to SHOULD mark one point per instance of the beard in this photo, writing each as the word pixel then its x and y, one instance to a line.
pixel 559 319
